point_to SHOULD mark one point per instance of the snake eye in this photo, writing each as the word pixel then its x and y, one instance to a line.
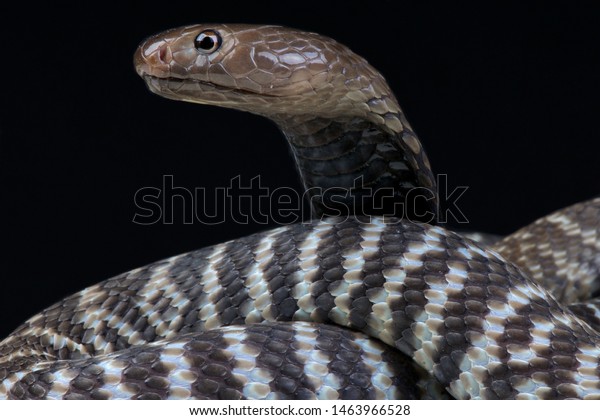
pixel 207 41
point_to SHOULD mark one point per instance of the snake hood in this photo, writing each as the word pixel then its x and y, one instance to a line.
pixel 261 69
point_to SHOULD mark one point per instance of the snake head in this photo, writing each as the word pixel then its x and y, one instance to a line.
pixel 261 69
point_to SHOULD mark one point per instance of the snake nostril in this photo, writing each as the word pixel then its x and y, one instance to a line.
pixel 153 58
pixel 164 54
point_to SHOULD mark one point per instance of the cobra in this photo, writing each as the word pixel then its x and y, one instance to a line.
pixel 355 306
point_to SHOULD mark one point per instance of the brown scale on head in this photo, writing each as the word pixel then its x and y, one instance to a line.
pixel 346 130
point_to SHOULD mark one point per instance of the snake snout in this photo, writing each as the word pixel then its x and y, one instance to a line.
pixel 152 58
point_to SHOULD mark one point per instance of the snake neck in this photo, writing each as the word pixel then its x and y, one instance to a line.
pixel 362 166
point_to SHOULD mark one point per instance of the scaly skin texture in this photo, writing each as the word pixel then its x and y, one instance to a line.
pixel 344 125
pixel 250 318
pixel 210 365
pixel 560 251
pixel 472 320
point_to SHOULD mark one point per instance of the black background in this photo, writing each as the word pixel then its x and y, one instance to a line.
pixel 503 96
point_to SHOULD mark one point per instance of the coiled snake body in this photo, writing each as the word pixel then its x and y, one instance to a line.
pixel 303 311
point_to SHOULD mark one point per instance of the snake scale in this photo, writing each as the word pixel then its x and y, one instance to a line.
pixel 356 304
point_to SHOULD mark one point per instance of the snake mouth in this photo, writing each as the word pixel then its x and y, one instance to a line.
pixel 176 84
pixel 200 90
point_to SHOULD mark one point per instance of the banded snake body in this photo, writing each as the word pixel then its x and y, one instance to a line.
pixel 358 306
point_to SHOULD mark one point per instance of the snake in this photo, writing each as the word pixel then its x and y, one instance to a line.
pixel 369 299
